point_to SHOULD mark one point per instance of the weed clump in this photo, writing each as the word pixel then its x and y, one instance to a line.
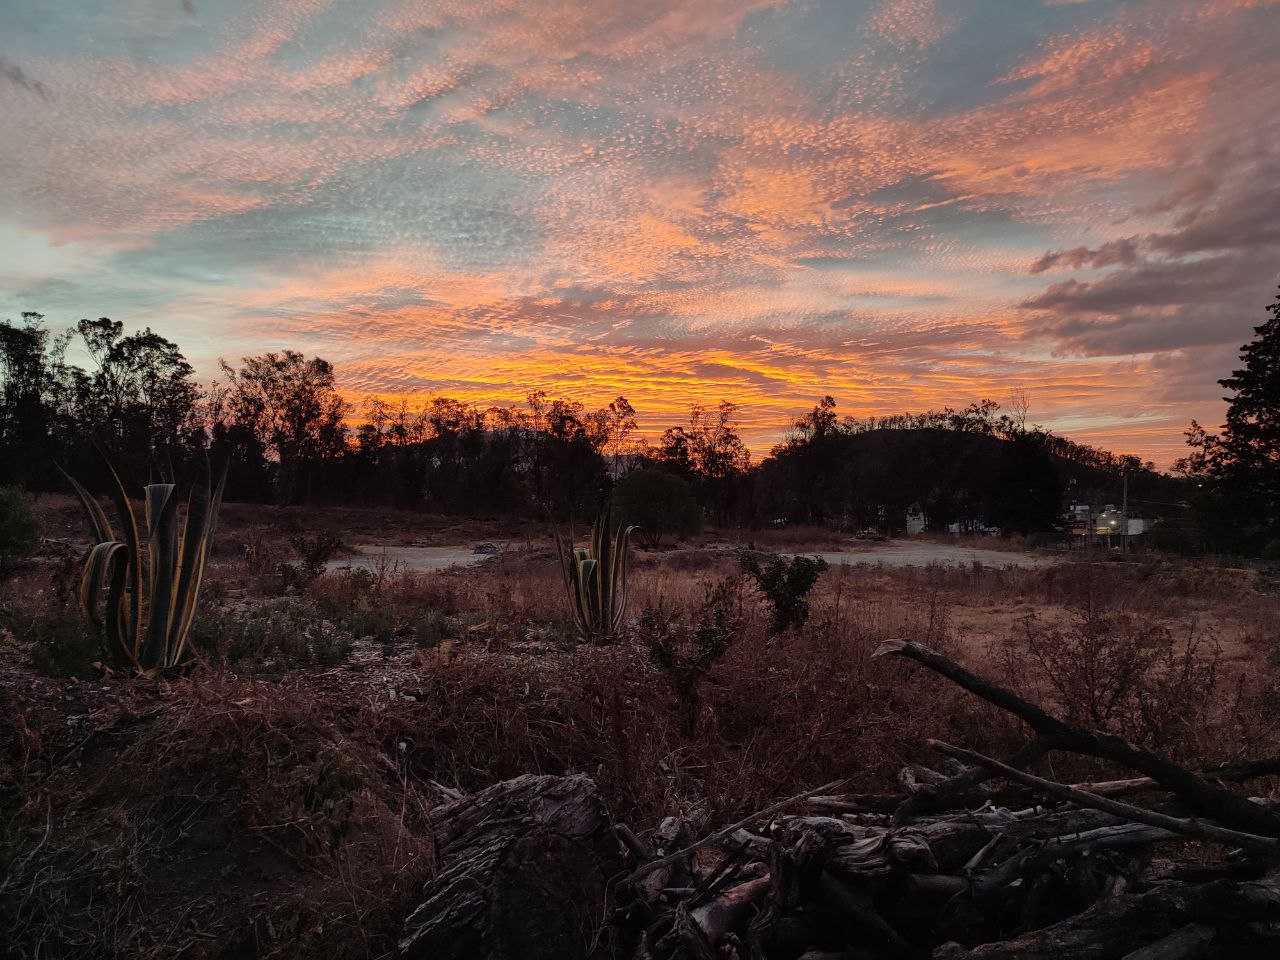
pixel 285 631
pixel 685 648
pixel 19 528
pixel 1124 675
pixel 433 628
pixel 62 644
pixel 785 584
pixel 272 815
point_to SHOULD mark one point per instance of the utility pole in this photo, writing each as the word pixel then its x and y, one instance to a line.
pixel 1124 516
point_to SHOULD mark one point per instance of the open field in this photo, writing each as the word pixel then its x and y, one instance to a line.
pixel 886 553
pixel 407 559
pixel 275 798
pixel 928 553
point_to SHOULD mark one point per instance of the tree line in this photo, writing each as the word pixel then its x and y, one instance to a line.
pixel 290 438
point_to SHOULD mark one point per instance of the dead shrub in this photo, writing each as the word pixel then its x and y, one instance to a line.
pixel 216 817
pixel 1121 674
pixel 685 648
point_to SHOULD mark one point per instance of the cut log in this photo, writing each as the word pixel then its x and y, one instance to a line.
pixel 729 910
pixel 523 871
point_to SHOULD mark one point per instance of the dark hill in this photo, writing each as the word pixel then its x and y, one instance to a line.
pixel 874 478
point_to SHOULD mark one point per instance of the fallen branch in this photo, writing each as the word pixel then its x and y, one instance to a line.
pixel 1199 795
pixel 728 831
pixel 1199 829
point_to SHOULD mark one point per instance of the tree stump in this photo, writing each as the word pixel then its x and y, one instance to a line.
pixel 523 871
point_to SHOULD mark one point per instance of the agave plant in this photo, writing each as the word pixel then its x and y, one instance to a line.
pixel 595 578
pixel 142 597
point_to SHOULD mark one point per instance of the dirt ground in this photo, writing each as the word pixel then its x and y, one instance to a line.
pixel 394 559
pixel 887 553
pixel 275 797
pixel 924 553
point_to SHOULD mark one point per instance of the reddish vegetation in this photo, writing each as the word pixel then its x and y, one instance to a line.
pixel 277 803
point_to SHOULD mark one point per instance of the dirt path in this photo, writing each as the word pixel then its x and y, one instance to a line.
pixel 890 553
pixel 923 553
pixel 408 559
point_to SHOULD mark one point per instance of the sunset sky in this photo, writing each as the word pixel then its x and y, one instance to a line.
pixel 902 203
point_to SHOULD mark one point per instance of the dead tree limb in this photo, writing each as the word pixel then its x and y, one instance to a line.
pixel 1200 796
pixel 938 796
pixel 1198 829
pixel 728 831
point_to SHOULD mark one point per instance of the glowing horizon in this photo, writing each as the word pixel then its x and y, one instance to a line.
pixel 905 204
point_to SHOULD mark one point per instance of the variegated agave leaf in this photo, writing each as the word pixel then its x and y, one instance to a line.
pixel 197 538
pixel 595 578
pixel 142 637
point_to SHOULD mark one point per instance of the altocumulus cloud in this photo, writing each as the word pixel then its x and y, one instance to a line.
pixel 900 202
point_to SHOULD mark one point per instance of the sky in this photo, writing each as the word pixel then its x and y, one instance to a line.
pixel 904 204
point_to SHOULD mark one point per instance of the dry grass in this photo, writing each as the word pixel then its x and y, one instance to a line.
pixel 268 807
pixel 215 816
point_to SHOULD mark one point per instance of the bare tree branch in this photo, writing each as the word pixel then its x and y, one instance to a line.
pixel 1200 796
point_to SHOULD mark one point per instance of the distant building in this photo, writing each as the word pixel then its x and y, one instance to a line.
pixel 975 528
pixel 1089 525
pixel 917 522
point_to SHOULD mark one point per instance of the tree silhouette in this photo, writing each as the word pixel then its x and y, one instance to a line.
pixel 1241 465
pixel 139 399
pixel 289 407
pixel 31 381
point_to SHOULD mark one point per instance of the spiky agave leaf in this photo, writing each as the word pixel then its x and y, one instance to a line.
pixel 98 522
pixel 162 561
pixel 171 577
pixel 107 566
pixel 601 535
pixel 618 588
pixel 586 595
pixel 569 573
pixel 136 590
pixel 197 537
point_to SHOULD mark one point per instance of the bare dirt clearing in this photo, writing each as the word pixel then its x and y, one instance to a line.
pixel 888 553
pixel 925 553
pixel 408 559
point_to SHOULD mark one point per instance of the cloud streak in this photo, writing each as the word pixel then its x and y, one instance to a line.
pixel 902 202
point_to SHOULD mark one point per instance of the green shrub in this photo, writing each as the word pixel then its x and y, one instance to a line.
pixel 686 648
pixel 785 585
pixel 373 622
pixel 659 503
pixel 328 796
pixel 19 528
pixel 314 553
pixel 433 628
pixel 63 644
pixel 286 631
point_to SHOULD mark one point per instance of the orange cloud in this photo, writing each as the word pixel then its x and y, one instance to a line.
pixel 745 199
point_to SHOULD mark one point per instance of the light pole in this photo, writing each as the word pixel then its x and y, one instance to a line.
pixel 1124 515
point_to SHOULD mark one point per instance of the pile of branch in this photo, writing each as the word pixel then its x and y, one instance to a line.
pixel 975 859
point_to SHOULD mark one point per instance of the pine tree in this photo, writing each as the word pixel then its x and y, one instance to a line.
pixel 1243 462
pixel 1250 443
